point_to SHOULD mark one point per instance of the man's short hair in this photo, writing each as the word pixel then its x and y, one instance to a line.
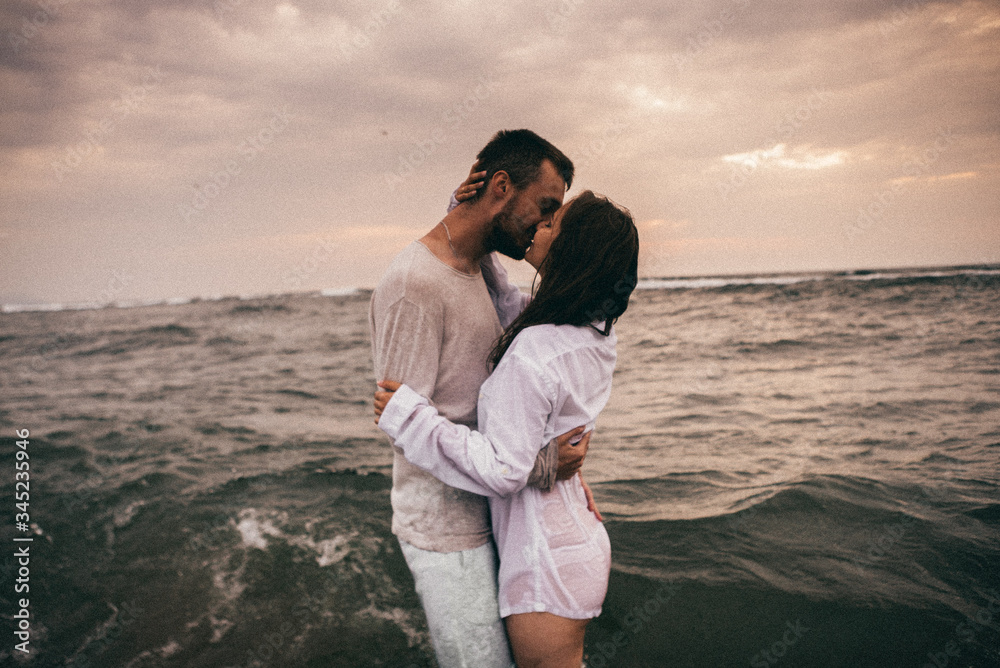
pixel 520 153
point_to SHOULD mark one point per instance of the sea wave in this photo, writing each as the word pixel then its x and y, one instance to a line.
pixel 15 307
pixel 649 283
pixel 710 282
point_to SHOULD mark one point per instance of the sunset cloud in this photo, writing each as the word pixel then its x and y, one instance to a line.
pixel 136 136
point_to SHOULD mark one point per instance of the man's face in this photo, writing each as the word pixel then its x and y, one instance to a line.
pixel 545 234
pixel 514 227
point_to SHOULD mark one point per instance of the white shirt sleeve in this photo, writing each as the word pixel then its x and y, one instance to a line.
pixel 508 300
pixel 496 462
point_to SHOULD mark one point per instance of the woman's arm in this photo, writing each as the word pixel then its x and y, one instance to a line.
pixel 494 462
pixel 508 300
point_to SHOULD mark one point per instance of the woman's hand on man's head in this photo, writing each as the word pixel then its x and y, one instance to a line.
pixel 472 183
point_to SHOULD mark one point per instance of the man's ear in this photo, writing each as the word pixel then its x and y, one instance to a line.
pixel 500 184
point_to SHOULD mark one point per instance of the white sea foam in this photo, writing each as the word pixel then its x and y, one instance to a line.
pixel 171 648
pixel 339 292
pixel 122 516
pixel 219 628
pixel 253 530
pixel 18 308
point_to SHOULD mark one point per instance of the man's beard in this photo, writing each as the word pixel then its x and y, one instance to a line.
pixel 501 239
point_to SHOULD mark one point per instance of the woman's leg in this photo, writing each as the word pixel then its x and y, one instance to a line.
pixel 544 640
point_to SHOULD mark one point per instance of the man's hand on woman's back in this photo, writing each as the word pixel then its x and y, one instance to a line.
pixel 571 454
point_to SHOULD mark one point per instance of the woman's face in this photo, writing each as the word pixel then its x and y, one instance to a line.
pixel 545 234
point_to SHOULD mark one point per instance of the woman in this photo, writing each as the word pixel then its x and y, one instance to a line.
pixel 552 371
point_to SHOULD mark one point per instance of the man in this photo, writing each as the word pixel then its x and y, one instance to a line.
pixel 433 323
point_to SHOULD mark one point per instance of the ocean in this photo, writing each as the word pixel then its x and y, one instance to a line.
pixel 795 470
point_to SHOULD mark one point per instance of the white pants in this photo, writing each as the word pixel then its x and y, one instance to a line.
pixel 458 591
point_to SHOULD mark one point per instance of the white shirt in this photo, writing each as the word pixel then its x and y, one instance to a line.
pixel 554 554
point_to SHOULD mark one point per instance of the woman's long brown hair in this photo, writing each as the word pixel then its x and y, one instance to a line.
pixel 589 273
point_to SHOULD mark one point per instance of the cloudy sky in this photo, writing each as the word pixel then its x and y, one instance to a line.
pixel 227 147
